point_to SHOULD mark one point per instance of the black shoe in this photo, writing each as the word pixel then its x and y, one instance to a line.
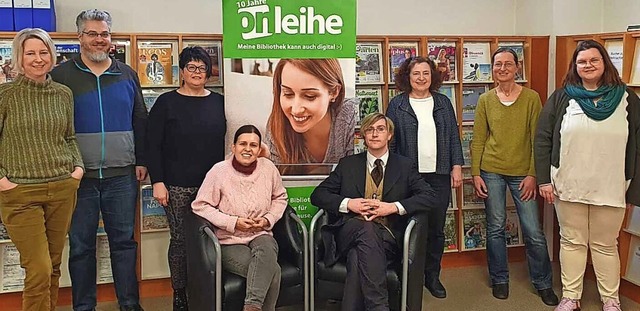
pixel 548 297
pixel 180 300
pixel 131 308
pixel 501 291
pixel 436 288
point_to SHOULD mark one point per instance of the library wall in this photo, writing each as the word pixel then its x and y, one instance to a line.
pixel 619 14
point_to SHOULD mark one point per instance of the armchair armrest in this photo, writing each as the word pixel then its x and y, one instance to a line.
pixel 413 261
pixel 204 264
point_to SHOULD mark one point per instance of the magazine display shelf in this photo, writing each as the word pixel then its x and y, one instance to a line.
pixel 624 50
pixel 152 266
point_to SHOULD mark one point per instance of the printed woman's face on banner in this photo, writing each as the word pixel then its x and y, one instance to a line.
pixel 304 98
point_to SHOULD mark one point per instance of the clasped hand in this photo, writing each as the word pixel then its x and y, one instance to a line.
pixel 370 209
pixel 252 224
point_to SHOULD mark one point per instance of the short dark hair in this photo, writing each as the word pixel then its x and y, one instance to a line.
pixel 247 129
pixel 504 50
pixel 402 78
pixel 610 75
pixel 195 53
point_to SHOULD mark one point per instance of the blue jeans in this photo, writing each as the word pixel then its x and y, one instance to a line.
pixel 534 239
pixel 116 198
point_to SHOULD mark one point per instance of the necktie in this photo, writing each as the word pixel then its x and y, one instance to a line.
pixel 376 173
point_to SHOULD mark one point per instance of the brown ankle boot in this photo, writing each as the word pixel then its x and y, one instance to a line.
pixel 251 308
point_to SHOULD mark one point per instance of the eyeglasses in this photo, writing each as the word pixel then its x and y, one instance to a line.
pixel 507 65
pixel 93 34
pixel 592 62
pixel 196 69
pixel 380 130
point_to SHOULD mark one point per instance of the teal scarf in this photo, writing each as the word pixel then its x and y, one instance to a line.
pixel 609 95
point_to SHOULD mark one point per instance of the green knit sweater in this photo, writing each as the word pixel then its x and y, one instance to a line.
pixel 37 138
pixel 503 135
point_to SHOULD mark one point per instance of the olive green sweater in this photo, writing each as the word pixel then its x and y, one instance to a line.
pixel 503 135
pixel 37 139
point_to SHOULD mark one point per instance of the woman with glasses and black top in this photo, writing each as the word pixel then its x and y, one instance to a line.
pixel 588 164
pixel 427 132
pixel 185 138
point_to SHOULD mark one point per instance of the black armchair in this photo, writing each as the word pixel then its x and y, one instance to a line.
pixel 404 279
pixel 212 289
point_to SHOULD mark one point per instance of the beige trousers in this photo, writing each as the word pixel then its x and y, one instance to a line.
pixel 595 227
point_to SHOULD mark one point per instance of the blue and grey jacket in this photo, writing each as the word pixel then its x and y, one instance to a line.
pixel 110 116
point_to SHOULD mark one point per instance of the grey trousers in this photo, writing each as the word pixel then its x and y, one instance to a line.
pixel 258 263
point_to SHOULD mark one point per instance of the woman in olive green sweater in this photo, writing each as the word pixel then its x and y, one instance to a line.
pixel 40 166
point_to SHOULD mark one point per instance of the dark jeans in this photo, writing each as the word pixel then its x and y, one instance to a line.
pixel 534 239
pixel 436 218
pixel 116 198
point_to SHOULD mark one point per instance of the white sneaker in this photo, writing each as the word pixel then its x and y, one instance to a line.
pixel 611 305
pixel 567 304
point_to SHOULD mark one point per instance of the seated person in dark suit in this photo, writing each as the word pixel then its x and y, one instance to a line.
pixel 368 198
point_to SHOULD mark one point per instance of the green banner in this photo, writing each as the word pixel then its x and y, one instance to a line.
pixel 300 200
pixel 289 28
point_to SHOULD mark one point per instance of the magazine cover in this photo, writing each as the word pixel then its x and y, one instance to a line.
pixel 4 235
pixel 358 143
pixel 119 52
pixel 393 92
pixel 450 232
pixel 398 52
pixel 5 63
pixel 470 95
pixel 450 91
pixel 465 139
pixel 65 52
pixel 476 62
pixel 615 51
pixel 150 95
pixel 368 60
pixel 214 49
pixel 469 198
pixel 444 55
pixel 474 229
pixel 370 99
pixel 12 274
pixel 105 275
pixel 512 228
pixel 155 64
pixel 153 217
pixel 518 47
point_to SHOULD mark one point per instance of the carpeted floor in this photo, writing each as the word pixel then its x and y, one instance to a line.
pixel 468 289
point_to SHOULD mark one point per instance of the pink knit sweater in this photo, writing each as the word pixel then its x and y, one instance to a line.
pixel 227 194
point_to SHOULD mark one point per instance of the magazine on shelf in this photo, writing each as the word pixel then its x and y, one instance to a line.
pixel 5 63
pixel 633 260
pixel 155 64
pixel 444 55
pixel 151 95
pixel 370 100
pixel 465 139
pixel 635 70
pixel 368 60
pixel 450 91
pixel 615 50
pixel 119 51
pixel 153 217
pixel 450 232
pixel 214 49
pixel 12 274
pixel 358 142
pixel 633 223
pixel 512 228
pixel 398 52
pixel 105 275
pixel 474 229
pixel 470 95
pixel 393 92
pixel 65 52
pixel 517 47
pixel 476 62
pixel 469 198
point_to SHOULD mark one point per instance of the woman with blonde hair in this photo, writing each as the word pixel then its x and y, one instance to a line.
pixel 310 121
pixel 40 166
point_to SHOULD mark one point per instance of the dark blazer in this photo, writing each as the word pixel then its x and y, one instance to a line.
pixel 405 136
pixel 402 183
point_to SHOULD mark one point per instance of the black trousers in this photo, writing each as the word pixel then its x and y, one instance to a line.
pixel 436 217
pixel 369 249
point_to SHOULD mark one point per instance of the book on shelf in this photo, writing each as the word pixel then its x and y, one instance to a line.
pixel 465 140
pixel 476 62
pixel 450 91
pixel 633 261
pixel 214 49
pixel 470 96
pixel 633 223
pixel 444 55
pixel 450 232
pixel 398 53
pixel 517 47
pixel 368 60
pixel 66 51
pixel 616 52
pixel 5 63
pixel 155 64
pixel 358 142
pixel 474 229
pixel 153 217
pixel 370 101
pixel 512 228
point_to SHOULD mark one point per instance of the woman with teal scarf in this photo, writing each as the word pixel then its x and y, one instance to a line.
pixel 588 166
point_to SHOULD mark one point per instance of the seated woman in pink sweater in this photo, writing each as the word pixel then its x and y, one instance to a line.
pixel 243 198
